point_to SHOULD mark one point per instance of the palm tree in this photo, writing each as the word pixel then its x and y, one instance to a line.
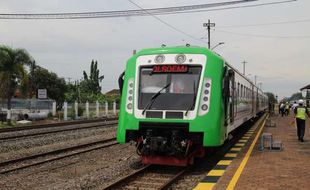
pixel 12 70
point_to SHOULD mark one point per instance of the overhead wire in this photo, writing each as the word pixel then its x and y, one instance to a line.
pixel 166 23
pixel 154 11
pixel 261 35
pixel 236 7
pixel 265 24
pixel 124 13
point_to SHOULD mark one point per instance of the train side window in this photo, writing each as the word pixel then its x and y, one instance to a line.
pixel 238 90
pixel 241 91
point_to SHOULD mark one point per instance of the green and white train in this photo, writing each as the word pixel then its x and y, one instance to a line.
pixel 177 101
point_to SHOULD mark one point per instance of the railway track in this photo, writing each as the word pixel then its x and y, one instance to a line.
pixel 58 129
pixel 155 177
pixel 50 125
pixel 46 157
pixel 149 177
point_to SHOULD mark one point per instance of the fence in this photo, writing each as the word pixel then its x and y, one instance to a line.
pixel 69 110
pixel 88 110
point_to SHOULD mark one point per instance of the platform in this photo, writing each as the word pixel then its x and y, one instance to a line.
pixel 264 170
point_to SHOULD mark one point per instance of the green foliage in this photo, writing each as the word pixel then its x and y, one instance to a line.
pixel 296 96
pixel 271 97
pixel 90 84
pixel 72 93
pixel 12 70
pixel 56 87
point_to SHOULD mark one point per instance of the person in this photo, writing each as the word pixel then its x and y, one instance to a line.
pixel 282 106
pixel 294 105
pixel 287 109
pixel 300 115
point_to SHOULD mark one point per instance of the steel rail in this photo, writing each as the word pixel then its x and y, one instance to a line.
pixel 111 142
pixel 59 124
pixel 56 131
pixel 133 177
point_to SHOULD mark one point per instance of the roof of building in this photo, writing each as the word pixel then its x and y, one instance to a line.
pixel 305 87
pixel 114 91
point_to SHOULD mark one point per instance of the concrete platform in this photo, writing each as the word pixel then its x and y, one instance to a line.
pixel 264 170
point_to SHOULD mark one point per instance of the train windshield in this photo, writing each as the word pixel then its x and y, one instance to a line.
pixel 177 85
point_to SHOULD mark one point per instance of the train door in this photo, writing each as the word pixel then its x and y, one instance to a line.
pixel 257 101
pixel 253 100
pixel 231 100
pixel 229 95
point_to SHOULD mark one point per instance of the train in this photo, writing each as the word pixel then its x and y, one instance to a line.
pixel 176 102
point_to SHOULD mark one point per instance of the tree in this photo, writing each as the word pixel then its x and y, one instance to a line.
pixel 55 86
pixel 90 84
pixel 12 70
pixel 271 97
pixel 296 96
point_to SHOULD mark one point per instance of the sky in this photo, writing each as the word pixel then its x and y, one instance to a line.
pixel 278 53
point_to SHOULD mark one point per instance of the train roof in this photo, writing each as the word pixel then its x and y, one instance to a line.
pixel 178 49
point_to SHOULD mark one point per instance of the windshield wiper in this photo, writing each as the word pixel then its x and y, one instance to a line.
pixel 151 101
pixel 194 100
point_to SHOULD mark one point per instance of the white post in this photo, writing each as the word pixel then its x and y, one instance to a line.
pixel 106 108
pixel 97 109
pixel 54 109
pixel 87 110
pixel 114 108
pixel 9 114
pixel 65 111
pixel 76 109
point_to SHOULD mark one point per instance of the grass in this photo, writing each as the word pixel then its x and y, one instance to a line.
pixel 5 124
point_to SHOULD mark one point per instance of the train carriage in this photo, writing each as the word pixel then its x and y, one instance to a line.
pixel 176 101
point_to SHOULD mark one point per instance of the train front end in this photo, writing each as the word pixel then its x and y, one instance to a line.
pixel 166 105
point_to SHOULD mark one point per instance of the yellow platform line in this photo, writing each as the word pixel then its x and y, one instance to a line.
pixel 224 162
pixel 235 149
pixel 231 155
pixel 239 144
pixel 204 186
pixel 216 173
pixel 236 177
pixel 243 140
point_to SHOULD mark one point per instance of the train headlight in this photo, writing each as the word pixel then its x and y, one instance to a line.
pixel 205 97
pixel 204 107
pixel 181 58
pixel 129 99
pixel 159 58
pixel 129 106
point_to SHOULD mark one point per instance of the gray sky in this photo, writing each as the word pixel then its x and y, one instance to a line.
pixel 277 53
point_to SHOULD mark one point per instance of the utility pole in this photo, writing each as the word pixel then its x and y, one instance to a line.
pixel 255 77
pixel 244 62
pixel 209 25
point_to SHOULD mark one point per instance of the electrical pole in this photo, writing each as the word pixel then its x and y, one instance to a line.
pixel 209 25
pixel 244 62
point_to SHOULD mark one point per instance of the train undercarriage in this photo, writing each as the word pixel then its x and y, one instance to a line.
pixel 167 143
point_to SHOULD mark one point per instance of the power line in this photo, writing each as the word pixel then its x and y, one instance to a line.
pixel 266 24
pixel 166 23
pixel 125 13
pixel 235 7
pixel 261 35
